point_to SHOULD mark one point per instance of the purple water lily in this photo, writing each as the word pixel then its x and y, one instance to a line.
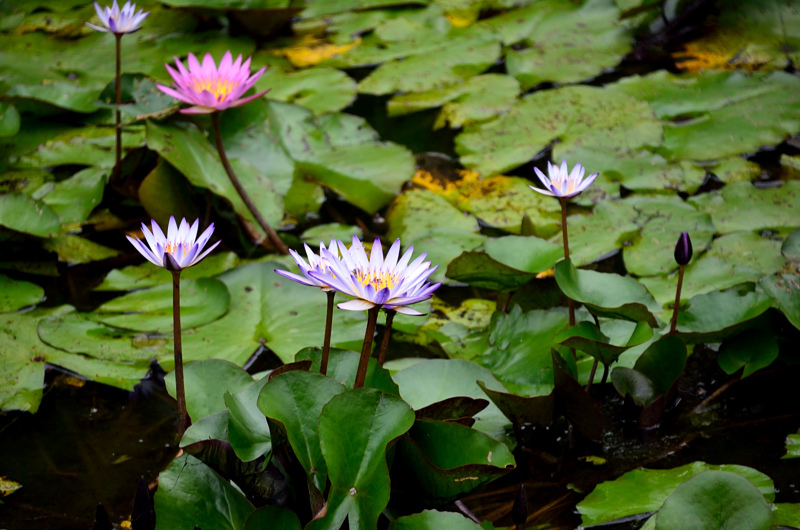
pixel 211 89
pixel 391 282
pixel 562 183
pixel 316 263
pixel 181 243
pixel 119 21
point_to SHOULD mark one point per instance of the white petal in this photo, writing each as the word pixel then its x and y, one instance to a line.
pixel 356 305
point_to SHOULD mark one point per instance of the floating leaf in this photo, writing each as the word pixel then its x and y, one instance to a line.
pixel 743 207
pixel 713 316
pixel 207 382
pixel 587 337
pixel 89 146
pixel 145 275
pixel 593 237
pixel 645 490
pixel 247 427
pixel 75 250
pixel 574 115
pixel 433 520
pixel 752 349
pixel 749 250
pixel 296 399
pixel 355 429
pixel 505 263
pixel 663 362
pixel 165 193
pixel 23 363
pixel 21 213
pixel 568 42
pixel 419 211
pixel 325 233
pixel 342 367
pixel 9 120
pixel 202 301
pixel 785 289
pixel 607 295
pixel 16 294
pixel 183 487
pixel 715 499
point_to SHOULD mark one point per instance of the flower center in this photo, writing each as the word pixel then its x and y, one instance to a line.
pixel 172 247
pixel 219 87
pixel 377 279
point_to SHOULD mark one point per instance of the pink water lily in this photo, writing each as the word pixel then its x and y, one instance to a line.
pixel 119 21
pixel 317 263
pixel 391 282
pixel 211 89
pixel 563 183
pixel 181 243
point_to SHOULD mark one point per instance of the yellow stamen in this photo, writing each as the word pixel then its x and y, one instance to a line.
pixel 379 280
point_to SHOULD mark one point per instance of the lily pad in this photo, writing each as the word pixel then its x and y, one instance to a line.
pixel 568 42
pixel 574 115
pixel 247 427
pixel 202 301
pixel 74 250
pixel 419 211
pixel 342 367
pixel 23 363
pixel 587 337
pixel 505 263
pixel 785 290
pixel 16 294
pixel 207 382
pixel 145 275
pixel 610 227
pixel 607 295
pixel 74 199
pixel 355 430
pixel 752 350
pixel 719 499
pixel 743 207
pixel 645 490
pixel 443 246
pixel 23 214
pixel 713 316
pixel 433 520
pixel 748 249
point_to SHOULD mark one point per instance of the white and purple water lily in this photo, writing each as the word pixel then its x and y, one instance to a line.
pixel 391 282
pixel 317 263
pixel 211 89
pixel 119 21
pixel 181 243
pixel 562 183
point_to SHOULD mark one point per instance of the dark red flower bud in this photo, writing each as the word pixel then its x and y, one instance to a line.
pixel 519 511
pixel 683 250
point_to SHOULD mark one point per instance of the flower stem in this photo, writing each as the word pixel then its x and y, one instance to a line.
pixel 326 345
pixel 565 238
pixel 180 392
pixel 118 102
pixel 363 363
pixel 271 234
pixel 674 323
pixel 387 332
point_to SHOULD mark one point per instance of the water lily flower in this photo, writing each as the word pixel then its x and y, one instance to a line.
pixel 318 263
pixel 683 249
pixel 211 89
pixel 562 183
pixel 182 245
pixel 119 21
pixel 391 282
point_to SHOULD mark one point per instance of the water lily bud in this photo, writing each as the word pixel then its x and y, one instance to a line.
pixel 683 250
pixel 519 512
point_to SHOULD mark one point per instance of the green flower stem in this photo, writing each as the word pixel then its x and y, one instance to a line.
pixel 180 392
pixel 271 234
pixel 674 323
pixel 565 238
pixel 118 102
pixel 326 345
pixel 363 363
pixel 387 333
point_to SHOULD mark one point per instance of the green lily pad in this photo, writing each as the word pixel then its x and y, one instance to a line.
pixel 355 430
pixel 713 316
pixel 145 275
pixel 645 490
pixel 211 427
pixel 743 207
pixel 9 120
pixel 443 245
pixel 593 237
pixel 607 295
pixel 568 42
pixel 206 384
pixel 325 233
pixel 792 446
pixel 521 410
pixel 433 520
pixel 417 212
pixel 574 115
pixel 703 275
pixel 785 290
pixel 73 249
pixel 663 362
pixel 165 193
pixel 662 222
pixel 752 350
pixel 23 363
pixel 296 399
pixel 247 427
pixel 274 517
pixel 630 382
pixel 16 294
pixel 715 499
pixel 202 301
pixel 703 122
pixel 74 199
pixel 518 352
pixel 23 214
pixel 446 460
pixel 748 249
pixel 321 90
pixel 453 63
pixel 89 146
pixel 140 96
pixel 505 263
pixel 786 514
pixel 434 380
pixel 459 330
pixel 342 366
pixel 477 99
pixel 587 337
pixel 184 486
pixel 791 246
